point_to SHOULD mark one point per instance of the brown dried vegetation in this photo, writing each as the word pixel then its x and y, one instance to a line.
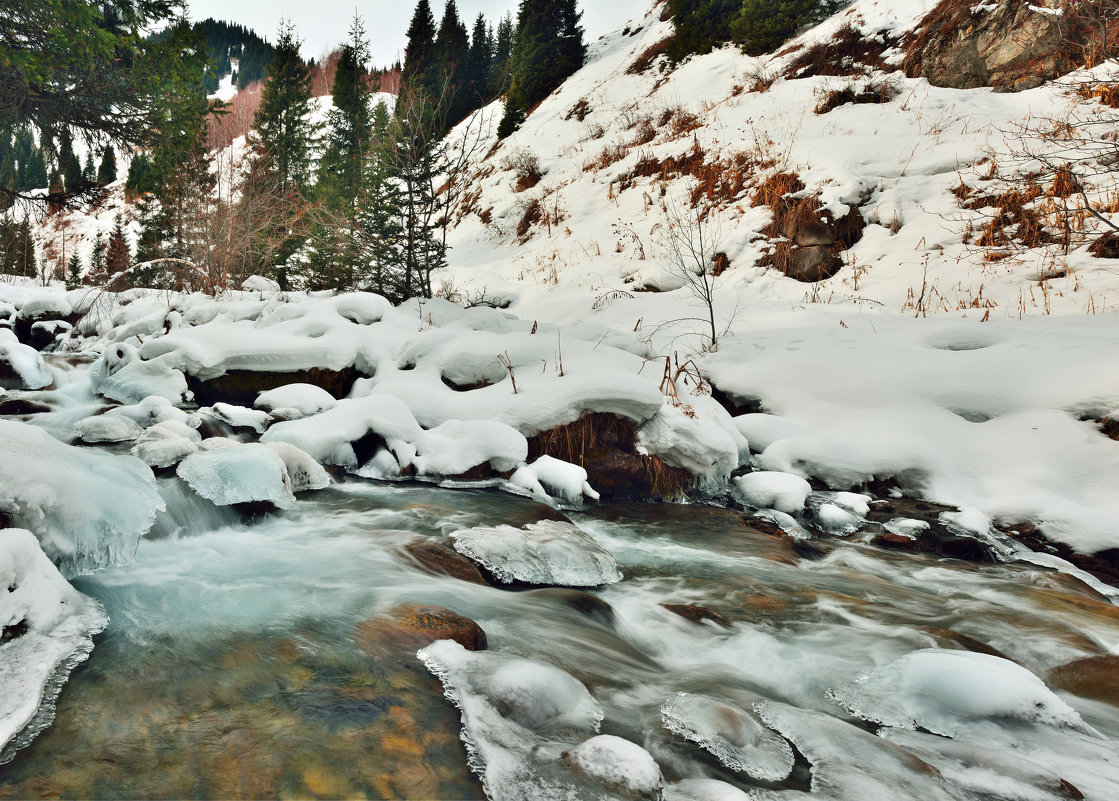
pixel 649 56
pixel 874 92
pixel 846 53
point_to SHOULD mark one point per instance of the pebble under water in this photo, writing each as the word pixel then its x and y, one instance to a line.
pixel 266 658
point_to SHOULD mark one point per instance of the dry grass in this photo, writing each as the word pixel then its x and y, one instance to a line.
pixel 846 53
pixel 649 57
pixel 874 92
pixel 579 111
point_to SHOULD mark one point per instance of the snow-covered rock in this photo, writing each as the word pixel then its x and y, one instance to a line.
pixel 548 552
pixel 768 489
pixel 166 444
pixel 303 471
pixel 108 428
pixel 548 476
pixel 21 366
pixel 295 401
pixel 619 766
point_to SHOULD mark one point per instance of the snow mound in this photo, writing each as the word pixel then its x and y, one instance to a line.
pixel 239 475
pixel 619 765
pixel 295 401
pixel 238 416
pixel 518 717
pixel 166 444
pixel 549 552
pixel 734 736
pixel 155 409
pixel 549 476
pixel 48 627
pixel 704 790
pixel 762 430
pixel 88 509
pixel 108 428
pixel 774 490
pixel 121 375
pixel 951 692
pixel 26 366
pixel 303 471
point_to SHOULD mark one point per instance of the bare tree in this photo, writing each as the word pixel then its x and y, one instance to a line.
pixel 689 241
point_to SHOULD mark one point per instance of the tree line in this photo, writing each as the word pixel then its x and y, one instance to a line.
pixel 757 26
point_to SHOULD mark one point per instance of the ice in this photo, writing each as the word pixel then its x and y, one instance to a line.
pixel 88 508
pixel 618 765
pixel 774 490
pixel 245 474
pixel 704 790
pixel 121 375
pixel 303 471
pixel 953 693
pixel 57 624
pixel 549 552
pixel 849 763
pixel 295 401
pixel 155 409
pixel 834 519
pixel 166 444
pixel 238 416
pixel 907 527
pixel 733 735
pixel 549 476
pixel 108 428
pixel 24 361
pixel 518 716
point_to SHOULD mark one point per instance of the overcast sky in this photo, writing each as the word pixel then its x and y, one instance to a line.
pixel 323 24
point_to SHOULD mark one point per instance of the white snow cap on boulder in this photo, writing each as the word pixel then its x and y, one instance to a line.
pixel 767 489
pixel 27 367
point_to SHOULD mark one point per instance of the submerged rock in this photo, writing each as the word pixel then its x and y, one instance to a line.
pixel 547 552
pixel 440 559
pixel 407 628
pixel 1095 677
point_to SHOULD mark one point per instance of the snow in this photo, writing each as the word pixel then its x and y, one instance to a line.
pixel 60 623
pixel 733 735
pixel 238 416
pixel 762 430
pixel 88 508
pixel 550 476
pixel 952 692
pixel 548 552
pixel 243 474
pixel 304 473
pixel 295 401
pixel 619 765
pixel 774 490
pixel 166 444
pixel 121 375
pixel 24 361
pixel 704 790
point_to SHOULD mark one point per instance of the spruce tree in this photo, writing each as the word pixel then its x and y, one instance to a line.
pixel 452 49
pixel 36 175
pixel 476 71
pixel 762 26
pixel 70 166
pixel 380 230
pixel 74 271
pixel 502 53
pixel 107 171
pixel 97 258
pixel 419 51
pixel 89 172
pixel 283 134
pixel 118 255
pixel 547 48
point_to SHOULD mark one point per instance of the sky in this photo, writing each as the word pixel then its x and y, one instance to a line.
pixel 322 24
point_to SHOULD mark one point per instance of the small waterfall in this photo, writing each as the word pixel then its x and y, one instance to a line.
pixel 187 513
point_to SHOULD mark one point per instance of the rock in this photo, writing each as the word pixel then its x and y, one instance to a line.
pixel 408 628
pixel 896 542
pixel 581 601
pixel 697 614
pixel 443 560
pixel 16 407
pixel 621 767
pixel 1095 677
pixel 1106 247
pixel 1010 47
pixel 241 387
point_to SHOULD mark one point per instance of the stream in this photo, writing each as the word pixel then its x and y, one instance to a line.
pixel 250 658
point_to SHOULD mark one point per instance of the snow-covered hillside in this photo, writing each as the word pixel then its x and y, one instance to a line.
pixel 617 147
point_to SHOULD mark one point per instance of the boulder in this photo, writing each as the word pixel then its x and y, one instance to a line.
pixel 440 559
pixel 1095 677
pixel 408 628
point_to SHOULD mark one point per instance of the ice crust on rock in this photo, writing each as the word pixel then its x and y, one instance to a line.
pixel 166 444
pixel 518 717
pixel 549 552
pixel 120 374
pixel 733 735
pixel 108 428
pixel 59 625
pixel 768 489
pixel 24 361
pixel 243 474
pixel 295 401
pixel 619 766
pixel 238 416
pixel 952 693
pixel 155 409
pixel 704 790
pixel 303 471
pixel 88 508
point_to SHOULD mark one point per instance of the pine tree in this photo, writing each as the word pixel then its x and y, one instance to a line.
pixel 762 26
pixel 89 172
pixel 97 258
pixel 107 171
pixel 35 176
pixel 419 51
pixel 380 230
pixel 70 167
pixel 547 48
pixel 118 256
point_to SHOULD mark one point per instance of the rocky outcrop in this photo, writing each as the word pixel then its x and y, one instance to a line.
pixel 1007 45
pixel 240 387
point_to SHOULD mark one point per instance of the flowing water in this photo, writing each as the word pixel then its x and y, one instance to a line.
pixel 241 661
